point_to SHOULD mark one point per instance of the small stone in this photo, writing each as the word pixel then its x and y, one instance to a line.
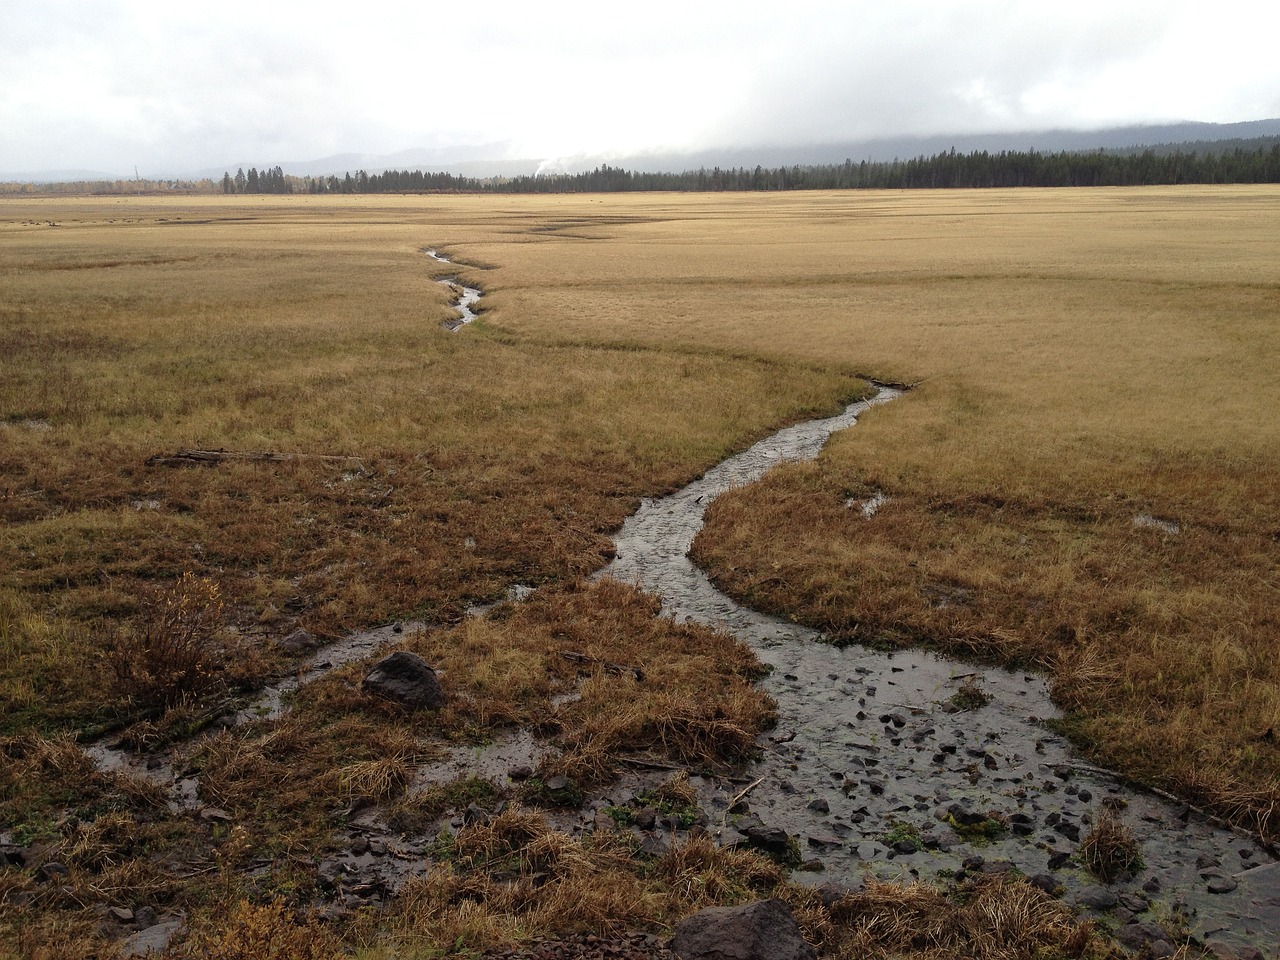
pixel 812 866
pixel 819 805
pixel 1137 935
pixel 1160 950
pixel 1222 885
pixel 121 914
pixel 645 818
pixel 50 872
pixel 1047 883
pixel 906 846
pixel 1097 898
pixel 820 840
pixel 522 772
pixel 216 814
pixel 151 942
pixel 1135 903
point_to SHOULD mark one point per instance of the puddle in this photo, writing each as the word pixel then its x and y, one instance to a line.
pixel 868 741
pixel 464 297
pixel 1146 520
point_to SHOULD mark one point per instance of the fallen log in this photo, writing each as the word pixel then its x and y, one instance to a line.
pixel 210 458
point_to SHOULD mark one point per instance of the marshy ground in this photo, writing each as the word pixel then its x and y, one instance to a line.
pixel 1080 482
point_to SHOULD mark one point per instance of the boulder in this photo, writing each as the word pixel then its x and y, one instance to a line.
pixel 764 930
pixel 406 679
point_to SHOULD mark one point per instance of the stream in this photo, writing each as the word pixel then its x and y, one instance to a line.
pixel 872 763
pixel 871 756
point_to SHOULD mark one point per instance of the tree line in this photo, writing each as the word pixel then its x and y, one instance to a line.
pixel 1008 168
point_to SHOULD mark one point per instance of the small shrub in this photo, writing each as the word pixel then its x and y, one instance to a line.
pixel 175 652
pixel 266 932
pixel 970 696
pixel 1110 850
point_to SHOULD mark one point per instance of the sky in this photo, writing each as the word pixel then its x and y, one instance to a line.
pixel 176 87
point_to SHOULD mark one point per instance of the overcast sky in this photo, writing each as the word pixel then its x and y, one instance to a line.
pixel 175 87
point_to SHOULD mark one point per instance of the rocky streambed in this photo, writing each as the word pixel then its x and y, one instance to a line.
pixel 909 766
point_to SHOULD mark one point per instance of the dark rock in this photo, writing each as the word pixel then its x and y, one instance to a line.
pixel 906 846
pixel 832 893
pixel 474 814
pixel 645 818
pixel 1161 950
pixel 51 872
pixel 1134 903
pixel 654 845
pixel 146 917
pixel 1046 882
pixel 1097 898
pixel 820 805
pixel 823 841
pixel 522 772
pixel 300 641
pixel 1138 935
pixel 1222 885
pixel 812 866
pixel 406 679
pixel 765 930
pixel 771 840
pixel 1069 830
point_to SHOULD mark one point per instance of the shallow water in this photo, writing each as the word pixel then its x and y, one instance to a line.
pixel 464 297
pixel 867 741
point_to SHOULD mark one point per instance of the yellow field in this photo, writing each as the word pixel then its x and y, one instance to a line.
pixel 1085 363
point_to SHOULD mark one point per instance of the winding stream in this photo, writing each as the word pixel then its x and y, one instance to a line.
pixel 871 749
pixel 871 756
pixel 464 297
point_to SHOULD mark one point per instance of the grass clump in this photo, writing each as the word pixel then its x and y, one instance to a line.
pixel 1109 850
pixel 177 650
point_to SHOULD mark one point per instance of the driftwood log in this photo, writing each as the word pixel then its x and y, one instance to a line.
pixel 210 458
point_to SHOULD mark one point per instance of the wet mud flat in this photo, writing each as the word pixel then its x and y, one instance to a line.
pixel 887 764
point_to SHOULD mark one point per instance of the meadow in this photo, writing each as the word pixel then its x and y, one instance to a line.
pixel 1081 478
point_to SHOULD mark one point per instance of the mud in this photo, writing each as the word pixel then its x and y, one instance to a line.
pixel 874 759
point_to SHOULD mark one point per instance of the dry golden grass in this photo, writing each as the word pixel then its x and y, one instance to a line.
pixel 1084 358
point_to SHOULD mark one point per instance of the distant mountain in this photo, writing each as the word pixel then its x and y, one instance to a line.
pixel 496 159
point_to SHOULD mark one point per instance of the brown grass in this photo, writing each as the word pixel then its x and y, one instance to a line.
pixel 1084 358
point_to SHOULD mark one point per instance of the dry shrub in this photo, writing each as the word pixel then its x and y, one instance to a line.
pixel 997 919
pixel 513 878
pixel 1110 850
pixel 697 874
pixel 175 652
pixel 266 932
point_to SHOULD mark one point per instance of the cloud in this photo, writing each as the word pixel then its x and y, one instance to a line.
pixel 172 87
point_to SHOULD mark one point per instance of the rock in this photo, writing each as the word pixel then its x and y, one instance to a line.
pixel 146 917
pixel 406 679
pixel 645 818
pixel 216 814
pixel 906 846
pixel 1047 883
pixel 1135 903
pixel 50 872
pixel 1097 898
pixel 1160 950
pixel 1137 935
pixel 300 641
pixel 522 772
pixel 821 840
pixel 1222 884
pixel 151 942
pixel 819 806
pixel 121 914
pixel 771 840
pixel 869 850
pixel 765 930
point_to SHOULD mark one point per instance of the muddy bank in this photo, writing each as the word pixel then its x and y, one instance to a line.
pixel 892 764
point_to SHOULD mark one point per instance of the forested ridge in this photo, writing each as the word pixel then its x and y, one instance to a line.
pixel 1207 162
pixel 1241 162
